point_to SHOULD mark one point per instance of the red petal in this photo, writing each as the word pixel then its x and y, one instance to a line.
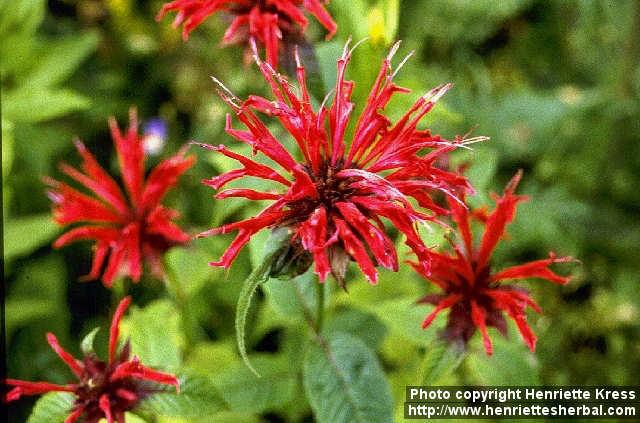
pixel 114 331
pixel 99 233
pixel 355 249
pixel 313 235
pixel 502 215
pixel 445 303
pixel 75 415
pixel 381 246
pixel 71 206
pixel 479 319
pixel 135 369
pixel 535 269
pixel 105 405
pixel 130 156
pixel 22 387
pixel 76 366
pixel 163 177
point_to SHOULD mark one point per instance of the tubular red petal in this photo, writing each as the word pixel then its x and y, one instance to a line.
pixel 164 177
pixel 535 269
pixel 76 366
pixel 136 370
pixel 22 387
pixel 381 246
pixel 501 216
pixel 114 331
pixel 105 405
pixel 130 153
pixel 355 249
pixel 75 415
pixel 445 303
pixel 479 319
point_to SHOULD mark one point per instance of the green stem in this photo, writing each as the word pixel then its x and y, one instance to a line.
pixel 320 307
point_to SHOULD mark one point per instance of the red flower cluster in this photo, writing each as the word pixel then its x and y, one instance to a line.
pixel 474 294
pixel 104 389
pixel 334 199
pixel 264 20
pixel 126 230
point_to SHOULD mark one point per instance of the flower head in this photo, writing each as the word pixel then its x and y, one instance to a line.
pixel 474 294
pixel 126 229
pixel 334 198
pixel 268 21
pixel 104 389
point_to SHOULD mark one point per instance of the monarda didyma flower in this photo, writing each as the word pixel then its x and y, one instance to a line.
pixel 333 200
pixel 268 21
pixel 127 230
pixel 474 294
pixel 104 389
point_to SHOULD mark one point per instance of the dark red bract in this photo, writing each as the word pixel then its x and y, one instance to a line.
pixel 127 230
pixel 104 389
pixel 267 21
pixel 334 198
pixel 474 294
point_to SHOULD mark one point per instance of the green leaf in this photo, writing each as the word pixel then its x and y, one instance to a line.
pixel 260 274
pixel 25 15
pixel 360 324
pixel 53 407
pixel 244 393
pixel 61 59
pixel 21 311
pixel 198 397
pixel 87 342
pixel 345 383
pixel 155 334
pixel 23 235
pixel 292 298
pixel 440 360
pixel 36 105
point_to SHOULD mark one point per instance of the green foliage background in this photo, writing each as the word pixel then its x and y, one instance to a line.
pixel 555 84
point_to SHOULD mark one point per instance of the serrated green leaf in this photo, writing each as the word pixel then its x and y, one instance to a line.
pixel 41 104
pixel 260 274
pixel 360 324
pixel 440 360
pixel 155 334
pixel 345 383
pixel 198 397
pixel 61 59
pixel 22 235
pixel 244 393
pixel 86 346
pixel 293 298
pixel 53 407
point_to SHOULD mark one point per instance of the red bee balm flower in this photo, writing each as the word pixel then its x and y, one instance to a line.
pixel 264 20
pixel 474 294
pixel 127 230
pixel 103 389
pixel 332 200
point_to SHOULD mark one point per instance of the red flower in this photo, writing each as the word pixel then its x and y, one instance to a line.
pixel 334 199
pixel 475 295
pixel 126 229
pixel 265 20
pixel 104 389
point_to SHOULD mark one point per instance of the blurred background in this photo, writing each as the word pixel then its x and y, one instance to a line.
pixel 554 84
